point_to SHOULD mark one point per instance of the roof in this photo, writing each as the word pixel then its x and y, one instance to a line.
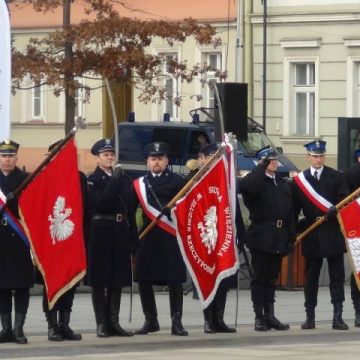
pixel 24 16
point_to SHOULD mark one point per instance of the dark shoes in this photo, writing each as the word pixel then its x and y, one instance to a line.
pixel 150 326
pixel 176 325
pixel 309 323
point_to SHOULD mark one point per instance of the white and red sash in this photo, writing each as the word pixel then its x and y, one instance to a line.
pixel 319 201
pixel 151 212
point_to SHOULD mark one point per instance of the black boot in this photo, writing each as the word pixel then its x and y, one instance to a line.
pixel 219 309
pixel 260 324
pixel 147 298
pixel 357 312
pixel 338 322
pixel 176 306
pixel 6 334
pixel 65 330
pixel 53 329
pixel 310 319
pixel 271 321
pixel 18 328
pixel 114 298
pixel 209 326
pixel 99 305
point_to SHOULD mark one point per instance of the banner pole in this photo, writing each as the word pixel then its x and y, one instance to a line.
pixel 184 190
pixel 319 221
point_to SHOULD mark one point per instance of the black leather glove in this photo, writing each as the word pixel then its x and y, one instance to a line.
pixel 10 199
pixel 331 213
pixel 264 163
pixel 118 171
pixel 166 212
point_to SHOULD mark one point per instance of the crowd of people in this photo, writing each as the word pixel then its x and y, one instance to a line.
pixel 114 251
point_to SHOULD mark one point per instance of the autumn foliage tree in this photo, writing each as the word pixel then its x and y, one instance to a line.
pixel 108 46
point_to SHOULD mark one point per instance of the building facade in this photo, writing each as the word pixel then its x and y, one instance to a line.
pixel 38 115
pixel 313 70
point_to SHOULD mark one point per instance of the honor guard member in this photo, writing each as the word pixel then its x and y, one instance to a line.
pixel 270 234
pixel 158 259
pixel 352 176
pixel 16 268
pixel 214 313
pixel 321 184
pixel 113 233
pixel 58 318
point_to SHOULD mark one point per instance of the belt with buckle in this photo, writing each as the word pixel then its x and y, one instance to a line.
pixel 279 223
pixel 3 222
pixel 114 217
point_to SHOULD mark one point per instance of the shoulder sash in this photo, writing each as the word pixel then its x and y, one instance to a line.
pixel 152 213
pixel 13 221
pixel 318 200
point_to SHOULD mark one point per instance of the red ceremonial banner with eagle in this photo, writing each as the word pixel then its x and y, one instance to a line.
pixel 348 218
pixel 52 215
pixel 206 231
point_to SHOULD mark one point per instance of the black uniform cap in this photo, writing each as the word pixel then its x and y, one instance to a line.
pixel 210 149
pixel 102 146
pixel 156 149
pixel 9 147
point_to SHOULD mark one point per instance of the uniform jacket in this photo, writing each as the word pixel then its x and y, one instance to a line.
pixel 272 227
pixel 158 259
pixel 113 231
pixel 326 240
pixel 16 268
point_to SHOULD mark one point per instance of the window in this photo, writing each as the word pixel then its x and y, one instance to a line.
pixel 214 60
pixel 171 87
pixel 79 99
pixel 354 87
pixel 304 99
pixel 300 97
pixel 37 103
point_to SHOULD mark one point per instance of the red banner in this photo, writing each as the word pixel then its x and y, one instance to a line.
pixel 52 216
pixel 206 232
pixel 349 222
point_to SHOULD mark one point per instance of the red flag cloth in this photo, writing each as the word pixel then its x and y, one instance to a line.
pixel 52 216
pixel 206 232
pixel 349 222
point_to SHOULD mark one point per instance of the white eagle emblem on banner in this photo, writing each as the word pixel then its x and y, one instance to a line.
pixel 61 228
pixel 209 233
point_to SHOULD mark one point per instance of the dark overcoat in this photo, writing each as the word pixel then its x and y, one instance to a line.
pixel 113 231
pixel 272 228
pixel 158 259
pixel 16 267
pixel 326 240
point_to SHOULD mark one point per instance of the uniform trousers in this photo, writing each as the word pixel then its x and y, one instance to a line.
pixel 266 269
pixel 336 274
pixel 21 300
pixel 64 303
pixel 355 292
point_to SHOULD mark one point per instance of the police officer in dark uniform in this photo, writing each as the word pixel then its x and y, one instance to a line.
pixel 270 234
pixel 58 318
pixel 352 176
pixel 326 241
pixel 113 234
pixel 16 268
pixel 158 259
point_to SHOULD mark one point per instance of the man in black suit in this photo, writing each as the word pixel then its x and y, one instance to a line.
pixel 158 259
pixel 316 191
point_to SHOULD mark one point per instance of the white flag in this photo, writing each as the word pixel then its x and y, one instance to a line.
pixel 5 71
